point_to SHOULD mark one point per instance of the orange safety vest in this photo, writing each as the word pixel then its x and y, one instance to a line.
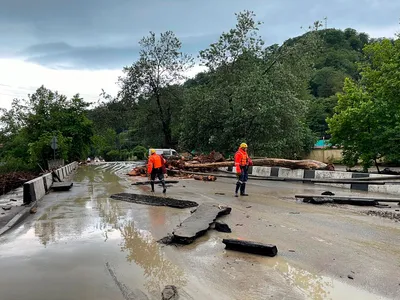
pixel 241 159
pixel 155 162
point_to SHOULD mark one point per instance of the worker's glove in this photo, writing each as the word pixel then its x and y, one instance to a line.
pixel 238 175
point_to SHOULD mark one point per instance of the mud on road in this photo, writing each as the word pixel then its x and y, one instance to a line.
pixel 62 252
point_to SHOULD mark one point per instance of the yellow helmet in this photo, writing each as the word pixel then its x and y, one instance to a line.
pixel 243 145
pixel 152 151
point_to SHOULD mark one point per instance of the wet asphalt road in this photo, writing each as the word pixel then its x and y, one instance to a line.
pixel 83 245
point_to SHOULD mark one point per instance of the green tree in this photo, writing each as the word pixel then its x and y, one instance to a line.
pixel 161 64
pixel 251 93
pixel 367 120
pixel 28 126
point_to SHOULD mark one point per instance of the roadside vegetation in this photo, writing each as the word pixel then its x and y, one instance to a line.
pixel 328 83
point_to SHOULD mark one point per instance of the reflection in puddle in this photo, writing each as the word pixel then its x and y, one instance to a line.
pixel 145 252
pixel 89 214
pixel 318 287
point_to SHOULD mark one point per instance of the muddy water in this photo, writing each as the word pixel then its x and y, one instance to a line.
pixel 66 250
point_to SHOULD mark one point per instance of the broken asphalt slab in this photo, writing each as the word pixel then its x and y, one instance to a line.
pixel 222 227
pixel 154 200
pixel 251 247
pixel 199 222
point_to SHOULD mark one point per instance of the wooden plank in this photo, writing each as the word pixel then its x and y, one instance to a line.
pixel 250 247
pixel 154 200
pixel 62 186
pixel 198 223
pixel 379 199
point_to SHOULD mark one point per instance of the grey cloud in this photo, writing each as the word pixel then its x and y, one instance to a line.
pixel 104 33
pixel 61 55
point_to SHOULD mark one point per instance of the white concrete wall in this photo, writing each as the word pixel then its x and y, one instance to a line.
pixel 333 175
pixel 390 188
pixel 288 173
pixel 261 171
pixel 38 188
pixel 48 181
pixel 319 174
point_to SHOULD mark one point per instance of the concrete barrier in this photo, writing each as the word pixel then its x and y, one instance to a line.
pixel 34 190
pixel 319 174
pixel 48 181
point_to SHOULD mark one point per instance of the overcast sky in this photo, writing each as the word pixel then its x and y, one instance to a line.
pixel 81 46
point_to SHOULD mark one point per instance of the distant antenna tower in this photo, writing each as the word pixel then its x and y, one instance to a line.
pixel 326 22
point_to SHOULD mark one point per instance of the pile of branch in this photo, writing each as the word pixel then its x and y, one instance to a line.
pixel 13 180
pixel 174 163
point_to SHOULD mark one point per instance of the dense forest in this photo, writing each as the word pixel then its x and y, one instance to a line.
pixel 278 98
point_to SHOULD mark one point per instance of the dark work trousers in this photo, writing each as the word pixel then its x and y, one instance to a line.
pixel 160 175
pixel 242 179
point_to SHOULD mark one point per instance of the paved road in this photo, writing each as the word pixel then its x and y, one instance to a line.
pixel 83 245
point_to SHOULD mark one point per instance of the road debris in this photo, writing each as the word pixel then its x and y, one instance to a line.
pixel 170 292
pixel 350 277
pixel 155 182
pixel 359 201
pixel 328 193
pixel 62 186
pixel 33 210
pixel 222 226
pixel 250 247
pixel 13 180
pixel 198 223
pixel 384 214
pixel 205 178
pixel 154 200
pixel 6 207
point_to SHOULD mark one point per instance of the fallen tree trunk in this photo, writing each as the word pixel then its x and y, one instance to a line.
pixel 250 247
pixel 271 162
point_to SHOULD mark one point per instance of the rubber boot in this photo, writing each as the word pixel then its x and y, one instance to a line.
pixel 164 187
pixel 243 190
pixel 152 186
pixel 238 184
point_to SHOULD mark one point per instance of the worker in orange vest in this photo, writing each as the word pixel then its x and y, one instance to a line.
pixel 242 163
pixel 155 169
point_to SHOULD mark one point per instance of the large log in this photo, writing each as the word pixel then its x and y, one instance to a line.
pixel 271 162
pixel 198 223
pixel 250 247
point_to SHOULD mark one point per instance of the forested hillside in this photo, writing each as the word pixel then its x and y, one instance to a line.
pixel 277 98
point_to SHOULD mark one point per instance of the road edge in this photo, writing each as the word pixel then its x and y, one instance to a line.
pixel 18 218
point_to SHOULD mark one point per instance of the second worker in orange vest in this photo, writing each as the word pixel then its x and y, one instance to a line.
pixel 242 163
pixel 155 166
